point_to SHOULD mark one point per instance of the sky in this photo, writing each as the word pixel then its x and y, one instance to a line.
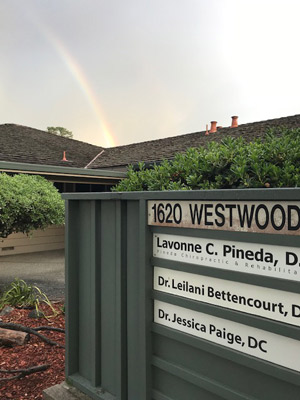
pixel 116 72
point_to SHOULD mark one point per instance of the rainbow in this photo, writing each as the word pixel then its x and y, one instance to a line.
pixel 82 81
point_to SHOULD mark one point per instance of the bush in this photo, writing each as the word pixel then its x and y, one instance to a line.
pixel 27 203
pixel 233 163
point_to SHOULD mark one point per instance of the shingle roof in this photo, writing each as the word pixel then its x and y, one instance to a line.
pixel 155 150
pixel 27 145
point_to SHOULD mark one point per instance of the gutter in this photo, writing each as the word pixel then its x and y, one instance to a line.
pixel 37 169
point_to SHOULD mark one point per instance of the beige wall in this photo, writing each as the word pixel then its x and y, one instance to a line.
pixel 53 238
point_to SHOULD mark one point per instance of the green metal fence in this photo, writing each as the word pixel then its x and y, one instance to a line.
pixel 172 310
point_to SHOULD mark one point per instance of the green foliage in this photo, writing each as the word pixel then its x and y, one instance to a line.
pixel 27 203
pixel 233 163
pixel 20 294
pixel 60 131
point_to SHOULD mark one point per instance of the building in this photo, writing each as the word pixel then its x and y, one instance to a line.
pixel 63 161
pixel 75 166
pixel 118 158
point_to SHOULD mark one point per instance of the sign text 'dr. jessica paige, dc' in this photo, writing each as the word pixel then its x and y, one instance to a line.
pixel 246 339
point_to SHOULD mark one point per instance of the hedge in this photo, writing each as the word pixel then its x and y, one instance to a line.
pixel 231 163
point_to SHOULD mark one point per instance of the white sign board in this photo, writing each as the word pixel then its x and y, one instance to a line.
pixel 241 216
pixel 265 345
pixel 253 258
pixel 269 303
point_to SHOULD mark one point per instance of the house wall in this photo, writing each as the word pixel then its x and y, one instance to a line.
pixel 52 238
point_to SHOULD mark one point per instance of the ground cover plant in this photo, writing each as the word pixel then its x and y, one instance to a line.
pixel 20 294
pixel 230 164
pixel 27 203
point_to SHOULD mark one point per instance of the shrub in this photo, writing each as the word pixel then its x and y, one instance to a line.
pixel 233 163
pixel 28 202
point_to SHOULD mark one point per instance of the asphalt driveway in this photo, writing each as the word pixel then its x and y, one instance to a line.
pixel 45 270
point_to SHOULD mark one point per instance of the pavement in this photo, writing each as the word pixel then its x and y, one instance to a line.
pixel 45 270
pixel 64 391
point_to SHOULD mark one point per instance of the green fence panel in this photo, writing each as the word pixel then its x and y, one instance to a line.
pixel 184 295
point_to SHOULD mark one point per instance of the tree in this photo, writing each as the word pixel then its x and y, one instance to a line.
pixel 60 131
pixel 27 203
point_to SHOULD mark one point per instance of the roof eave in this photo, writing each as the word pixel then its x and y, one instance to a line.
pixel 7 166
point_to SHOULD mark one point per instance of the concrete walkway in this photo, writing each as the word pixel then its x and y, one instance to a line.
pixel 45 270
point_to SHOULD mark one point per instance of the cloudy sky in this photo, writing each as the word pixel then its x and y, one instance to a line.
pixel 122 71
